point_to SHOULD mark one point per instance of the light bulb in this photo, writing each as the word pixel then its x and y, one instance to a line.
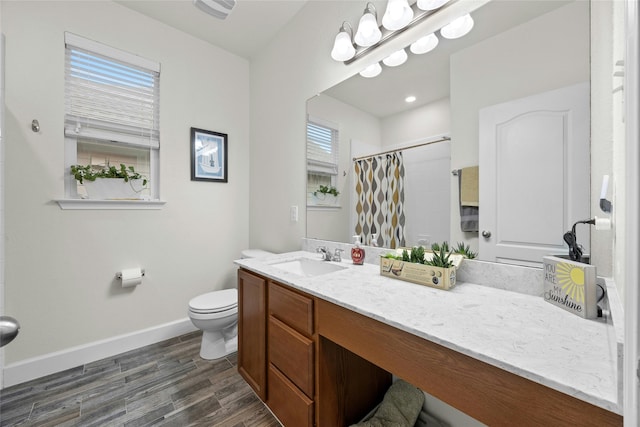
pixel 368 32
pixel 430 4
pixel 398 15
pixel 410 99
pixel 372 70
pixel 424 44
pixel 398 57
pixel 343 49
pixel 458 27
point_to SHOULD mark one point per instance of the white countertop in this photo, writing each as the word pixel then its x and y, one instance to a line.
pixel 519 333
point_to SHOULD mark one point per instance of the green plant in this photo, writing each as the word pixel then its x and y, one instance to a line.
pixel 465 250
pixel 91 172
pixel 435 247
pixel 441 256
pixel 416 255
pixel 325 189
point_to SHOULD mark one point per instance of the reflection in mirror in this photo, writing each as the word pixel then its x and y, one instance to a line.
pixel 515 50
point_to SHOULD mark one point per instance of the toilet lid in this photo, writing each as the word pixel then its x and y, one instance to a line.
pixel 212 302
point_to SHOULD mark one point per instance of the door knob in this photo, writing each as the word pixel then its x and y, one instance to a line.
pixel 486 234
pixel 9 328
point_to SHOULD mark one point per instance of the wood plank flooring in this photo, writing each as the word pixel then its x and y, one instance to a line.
pixel 164 384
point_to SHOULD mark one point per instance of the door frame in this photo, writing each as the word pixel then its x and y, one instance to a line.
pixel 632 226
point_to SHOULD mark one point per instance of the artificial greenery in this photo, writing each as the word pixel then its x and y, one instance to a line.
pixel 325 189
pixel 91 172
pixel 465 250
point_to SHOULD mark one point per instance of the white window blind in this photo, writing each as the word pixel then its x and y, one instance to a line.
pixel 110 94
pixel 322 148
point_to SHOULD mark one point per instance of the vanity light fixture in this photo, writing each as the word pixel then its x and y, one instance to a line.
pixel 398 15
pixel 343 48
pixel 430 4
pixel 217 8
pixel 424 44
pixel 458 27
pixel 398 57
pixel 372 70
pixel 368 32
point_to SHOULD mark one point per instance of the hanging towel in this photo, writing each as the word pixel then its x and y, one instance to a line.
pixel 469 193
pixel 400 407
pixel 469 198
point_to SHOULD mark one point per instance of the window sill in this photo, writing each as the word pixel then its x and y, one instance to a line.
pixel 88 204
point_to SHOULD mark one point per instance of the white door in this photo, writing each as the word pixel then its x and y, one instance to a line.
pixel 534 175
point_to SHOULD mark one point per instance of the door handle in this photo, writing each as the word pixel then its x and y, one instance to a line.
pixel 486 234
pixel 9 328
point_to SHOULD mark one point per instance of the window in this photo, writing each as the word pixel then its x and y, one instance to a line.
pixel 322 155
pixel 111 111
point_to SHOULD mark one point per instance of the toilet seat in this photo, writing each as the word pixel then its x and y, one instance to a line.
pixel 215 302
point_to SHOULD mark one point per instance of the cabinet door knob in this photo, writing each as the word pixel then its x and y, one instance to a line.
pixel 486 234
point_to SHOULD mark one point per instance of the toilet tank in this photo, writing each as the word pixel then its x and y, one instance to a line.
pixel 254 253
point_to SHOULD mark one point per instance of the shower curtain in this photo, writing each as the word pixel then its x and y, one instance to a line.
pixel 380 200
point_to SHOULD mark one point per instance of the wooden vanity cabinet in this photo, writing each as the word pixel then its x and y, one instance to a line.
pixel 290 356
pixel 252 330
pixel 280 357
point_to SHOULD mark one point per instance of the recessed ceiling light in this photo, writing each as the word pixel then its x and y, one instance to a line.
pixel 410 98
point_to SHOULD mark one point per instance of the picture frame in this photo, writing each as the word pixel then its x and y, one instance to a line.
pixel 208 155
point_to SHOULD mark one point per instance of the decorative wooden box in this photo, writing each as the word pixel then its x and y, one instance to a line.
pixel 421 274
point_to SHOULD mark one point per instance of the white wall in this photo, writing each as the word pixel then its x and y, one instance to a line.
pixel 512 65
pixel 353 125
pixel 433 119
pixel 60 265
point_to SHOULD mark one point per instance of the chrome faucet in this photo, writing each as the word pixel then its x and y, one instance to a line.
pixel 326 254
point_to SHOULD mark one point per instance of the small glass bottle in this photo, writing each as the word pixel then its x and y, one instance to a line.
pixel 357 253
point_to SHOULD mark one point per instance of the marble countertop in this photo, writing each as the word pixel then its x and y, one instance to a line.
pixel 519 333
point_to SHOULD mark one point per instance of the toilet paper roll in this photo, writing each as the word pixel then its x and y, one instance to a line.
pixel 603 223
pixel 131 277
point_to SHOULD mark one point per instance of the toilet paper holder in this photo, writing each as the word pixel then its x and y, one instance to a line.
pixel 119 274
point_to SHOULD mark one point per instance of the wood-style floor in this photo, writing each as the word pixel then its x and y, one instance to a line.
pixel 164 384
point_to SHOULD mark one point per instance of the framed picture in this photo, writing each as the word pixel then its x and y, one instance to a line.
pixel 208 155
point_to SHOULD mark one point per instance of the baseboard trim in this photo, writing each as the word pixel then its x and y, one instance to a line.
pixel 29 369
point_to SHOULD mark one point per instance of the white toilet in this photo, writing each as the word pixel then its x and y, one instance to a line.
pixel 216 314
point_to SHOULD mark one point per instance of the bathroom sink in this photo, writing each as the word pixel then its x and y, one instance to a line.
pixel 308 267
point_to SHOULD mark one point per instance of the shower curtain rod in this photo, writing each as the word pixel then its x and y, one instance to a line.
pixel 444 138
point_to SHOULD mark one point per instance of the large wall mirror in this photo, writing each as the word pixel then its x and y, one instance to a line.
pixel 515 50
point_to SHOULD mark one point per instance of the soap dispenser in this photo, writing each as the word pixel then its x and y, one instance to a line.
pixel 357 253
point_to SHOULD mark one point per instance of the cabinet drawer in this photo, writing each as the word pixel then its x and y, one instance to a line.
pixel 292 308
pixel 287 402
pixel 292 354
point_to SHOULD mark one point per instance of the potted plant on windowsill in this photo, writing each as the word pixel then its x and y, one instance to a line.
pixel 109 182
pixel 326 195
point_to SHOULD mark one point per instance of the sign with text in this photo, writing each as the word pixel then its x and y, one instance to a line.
pixel 570 285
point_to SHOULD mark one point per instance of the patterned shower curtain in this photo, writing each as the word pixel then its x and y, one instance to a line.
pixel 380 200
